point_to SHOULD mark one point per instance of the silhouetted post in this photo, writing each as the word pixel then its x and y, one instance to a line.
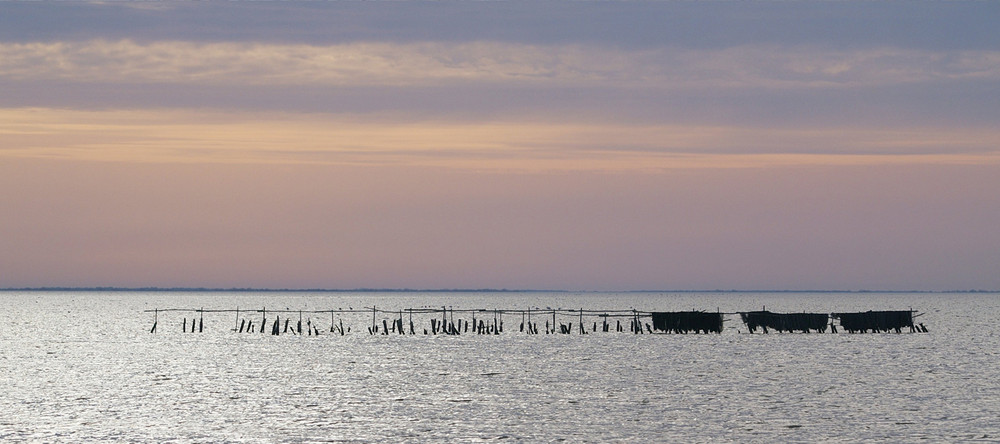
pixel 201 320
pixel 374 327
pixel 155 319
pixel 184 328
pixel 263 319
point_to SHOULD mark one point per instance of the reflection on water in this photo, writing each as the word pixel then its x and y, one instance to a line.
pixel 83 366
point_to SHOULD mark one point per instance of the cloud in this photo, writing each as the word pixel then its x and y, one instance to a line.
pixel 443 63
pixel 194 136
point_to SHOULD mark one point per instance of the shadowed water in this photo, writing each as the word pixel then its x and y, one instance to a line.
pixel 83 367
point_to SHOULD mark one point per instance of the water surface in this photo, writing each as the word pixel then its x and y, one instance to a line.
pixel 82 366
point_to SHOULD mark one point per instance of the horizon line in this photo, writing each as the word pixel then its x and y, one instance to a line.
pixel 459 290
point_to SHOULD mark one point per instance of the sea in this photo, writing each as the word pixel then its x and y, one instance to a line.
pixel 83 366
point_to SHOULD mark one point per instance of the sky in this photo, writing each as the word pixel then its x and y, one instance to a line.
pixel 518 145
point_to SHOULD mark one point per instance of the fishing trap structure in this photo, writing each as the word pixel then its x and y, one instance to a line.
pixel 452 321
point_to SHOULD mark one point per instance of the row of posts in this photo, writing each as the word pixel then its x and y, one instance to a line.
pixel 446 325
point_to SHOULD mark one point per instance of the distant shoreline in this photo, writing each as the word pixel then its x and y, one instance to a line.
pixel 446 290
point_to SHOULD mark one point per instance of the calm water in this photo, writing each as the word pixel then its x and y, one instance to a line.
pixel 84 367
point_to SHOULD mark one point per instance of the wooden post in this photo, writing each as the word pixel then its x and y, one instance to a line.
pixel 155 319
pixel 201 320
pixel 237 320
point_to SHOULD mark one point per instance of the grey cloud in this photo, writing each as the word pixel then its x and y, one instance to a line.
pixel 420 63
pixel 917 25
